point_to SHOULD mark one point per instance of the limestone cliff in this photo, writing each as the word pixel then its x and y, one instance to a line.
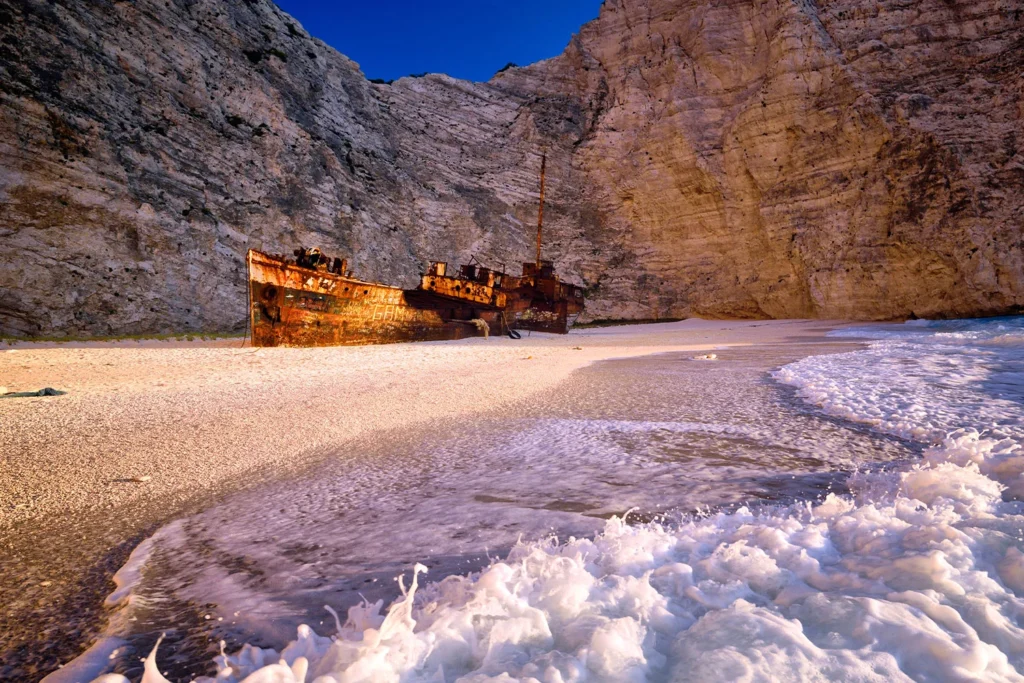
pixel 738 158
pixel 778 158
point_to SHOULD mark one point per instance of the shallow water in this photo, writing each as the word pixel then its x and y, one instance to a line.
pixel 922 379
pixel 910 568
pixel 663 435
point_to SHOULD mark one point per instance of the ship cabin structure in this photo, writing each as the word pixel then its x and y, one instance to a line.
pixel 537 301
pixel 473 284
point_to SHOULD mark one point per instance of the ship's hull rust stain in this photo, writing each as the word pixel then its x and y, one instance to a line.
pixel 455 288
pixel 295 306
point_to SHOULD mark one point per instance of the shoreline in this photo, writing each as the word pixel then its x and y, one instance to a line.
pixel 203 420
pixel 189 417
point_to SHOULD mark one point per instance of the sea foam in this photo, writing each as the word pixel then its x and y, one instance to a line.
pixel 918 574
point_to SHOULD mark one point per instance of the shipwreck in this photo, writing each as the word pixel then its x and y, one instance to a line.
pixel 314 300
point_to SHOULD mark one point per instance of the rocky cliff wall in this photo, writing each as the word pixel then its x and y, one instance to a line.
pixel 733 158
pixel 145 146
pixel 778 158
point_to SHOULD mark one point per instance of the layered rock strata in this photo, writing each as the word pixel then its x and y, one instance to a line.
pixel 737 158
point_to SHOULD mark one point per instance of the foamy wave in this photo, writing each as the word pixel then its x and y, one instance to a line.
pixel 898 393
pixel 949 329
pixel 919 576
pixel 925 388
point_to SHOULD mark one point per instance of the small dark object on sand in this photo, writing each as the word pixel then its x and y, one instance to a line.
pixel 48 391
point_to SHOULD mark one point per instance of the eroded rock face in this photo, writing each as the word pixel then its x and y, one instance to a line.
pixel 844 159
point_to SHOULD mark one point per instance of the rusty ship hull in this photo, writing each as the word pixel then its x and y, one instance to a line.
pixel 315 301
pixel 537 301
pixel 291 305
pixel 546 304
pixel 533 302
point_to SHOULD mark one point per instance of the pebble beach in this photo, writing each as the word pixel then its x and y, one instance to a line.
pixel 149 430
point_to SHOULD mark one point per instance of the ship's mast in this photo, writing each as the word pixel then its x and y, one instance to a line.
pixel 540 212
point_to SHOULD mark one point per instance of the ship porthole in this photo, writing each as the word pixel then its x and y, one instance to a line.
pixel 269 293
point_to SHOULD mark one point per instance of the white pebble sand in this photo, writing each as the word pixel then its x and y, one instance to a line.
pixel 151 431
pixel 172 419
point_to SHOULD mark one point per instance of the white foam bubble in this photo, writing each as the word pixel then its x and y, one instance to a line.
pixel 923 384
pixel 916 580
pixel 917 575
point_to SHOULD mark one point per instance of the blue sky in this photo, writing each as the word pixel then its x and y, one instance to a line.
pixel 468 39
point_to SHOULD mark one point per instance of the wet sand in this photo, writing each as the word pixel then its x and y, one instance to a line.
pixel 151 431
